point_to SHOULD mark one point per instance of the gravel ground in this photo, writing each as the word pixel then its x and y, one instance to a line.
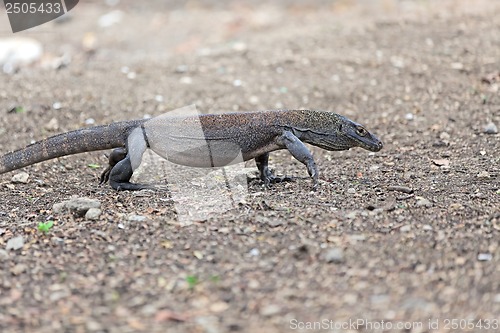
pixel 406 236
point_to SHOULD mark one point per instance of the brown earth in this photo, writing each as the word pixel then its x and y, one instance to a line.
pixel 422 75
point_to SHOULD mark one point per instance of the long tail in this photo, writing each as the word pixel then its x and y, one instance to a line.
pixel 74 142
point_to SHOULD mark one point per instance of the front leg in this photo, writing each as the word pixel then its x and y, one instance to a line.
pixel 299 150
pixel 265 174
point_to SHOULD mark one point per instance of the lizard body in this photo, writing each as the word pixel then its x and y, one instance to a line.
pixel 222 138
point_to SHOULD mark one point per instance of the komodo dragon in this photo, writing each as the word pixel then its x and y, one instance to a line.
pixel 210 140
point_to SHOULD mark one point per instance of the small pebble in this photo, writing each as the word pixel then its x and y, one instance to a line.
pixel 334 255
pixel 78 206
pixel 254 100
pixel 351 215
pixel 52 125
pixel 218 307
pixel 93 214
pixel 397 62
pixel 423 202
pixel 240 46
pixel 57 240
pixel 483 174
pixel 112 3
pixel 3 254
pixel 273 223
pixel 399 188
pixel 93 326
pixel 484 256
pixel 254 252
pixel 441 162
pixel 182 69
pixel 16 52
pixel 20 178
pixel 110 18
pixel 136 218
pixel 490 128
pixel 18 269
pixel 455 206
pixel 58 295
pixel 357 238
pixel 405 228
pixel 457 65
pixel 270 310
pixel 15 243
pixel 444 136
pixel 186 80
pixel 254 284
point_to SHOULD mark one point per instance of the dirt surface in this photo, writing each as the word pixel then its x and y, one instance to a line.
pixel 422 75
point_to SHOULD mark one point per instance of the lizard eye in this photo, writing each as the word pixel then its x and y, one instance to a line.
pixel 361 131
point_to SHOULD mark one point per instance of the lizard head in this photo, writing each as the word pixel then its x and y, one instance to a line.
pixel 332 131
pixel 337 132
pixel 358 136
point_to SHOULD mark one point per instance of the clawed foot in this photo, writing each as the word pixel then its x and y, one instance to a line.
pixel 272 179
pixel 105 175
pixel 122 186
pixel 130 186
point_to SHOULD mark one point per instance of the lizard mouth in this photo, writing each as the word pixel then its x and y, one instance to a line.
pixel 373 144
pixel 369 142
pixel 333 145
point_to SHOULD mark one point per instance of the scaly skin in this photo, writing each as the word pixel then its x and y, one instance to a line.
pixel 251 134
pixel 74 142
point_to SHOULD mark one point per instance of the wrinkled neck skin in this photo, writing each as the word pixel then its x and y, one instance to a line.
pixel 333 141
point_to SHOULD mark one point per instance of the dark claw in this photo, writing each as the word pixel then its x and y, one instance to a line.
pixel 315 185
pixel 105 175
pixel 271 179
pixel 275 179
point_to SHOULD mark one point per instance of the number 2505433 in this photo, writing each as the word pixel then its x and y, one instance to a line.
pixel 33 8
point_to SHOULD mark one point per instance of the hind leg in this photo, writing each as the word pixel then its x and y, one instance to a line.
pixel 116 156
pixel 119 172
